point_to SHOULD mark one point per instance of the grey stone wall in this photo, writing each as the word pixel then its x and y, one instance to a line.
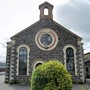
pixel 27 36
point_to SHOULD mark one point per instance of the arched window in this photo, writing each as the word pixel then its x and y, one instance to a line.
pixel 23 61
pixel 70 65
pixel 46 11
pixel 36 64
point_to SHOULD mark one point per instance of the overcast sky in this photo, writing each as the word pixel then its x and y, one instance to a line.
pixel 15 15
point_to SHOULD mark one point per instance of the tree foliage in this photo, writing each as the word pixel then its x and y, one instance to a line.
pixel 51 75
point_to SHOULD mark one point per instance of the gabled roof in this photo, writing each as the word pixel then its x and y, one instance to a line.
pixel 45 4
pixel 67 30
pixel 87 53
pixel 23 30
pixel 52 21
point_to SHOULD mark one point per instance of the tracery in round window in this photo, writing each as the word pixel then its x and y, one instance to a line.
pixel 46 39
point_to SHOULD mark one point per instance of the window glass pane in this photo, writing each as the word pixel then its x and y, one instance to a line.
pixel 70 60
pixel 23 61
pixel 46 39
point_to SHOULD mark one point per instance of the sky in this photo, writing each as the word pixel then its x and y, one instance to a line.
pixel 16 15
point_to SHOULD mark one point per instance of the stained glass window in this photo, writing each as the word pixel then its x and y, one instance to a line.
pixel 23 61
pixel 70 61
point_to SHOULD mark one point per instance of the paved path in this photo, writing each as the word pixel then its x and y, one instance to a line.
pixel 4 86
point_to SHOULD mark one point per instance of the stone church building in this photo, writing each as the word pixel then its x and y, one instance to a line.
pixel 42 41
pixel 87 64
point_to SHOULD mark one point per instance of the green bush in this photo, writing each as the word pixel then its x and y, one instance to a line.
pixel 51 75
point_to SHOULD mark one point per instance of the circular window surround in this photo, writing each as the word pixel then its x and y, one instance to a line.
pixel 53 36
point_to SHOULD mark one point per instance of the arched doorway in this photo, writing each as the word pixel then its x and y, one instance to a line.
pixel 36 64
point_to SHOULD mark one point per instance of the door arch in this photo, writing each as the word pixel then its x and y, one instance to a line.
pixel 37 63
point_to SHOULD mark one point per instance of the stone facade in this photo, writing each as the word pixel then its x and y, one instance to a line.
pixel 36 55
pixel 87 64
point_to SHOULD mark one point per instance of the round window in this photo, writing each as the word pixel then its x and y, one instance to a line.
pixel 46 39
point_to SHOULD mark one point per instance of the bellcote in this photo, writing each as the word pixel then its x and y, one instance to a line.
pixel 46 10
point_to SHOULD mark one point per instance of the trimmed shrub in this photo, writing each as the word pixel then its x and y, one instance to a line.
pixel 51 75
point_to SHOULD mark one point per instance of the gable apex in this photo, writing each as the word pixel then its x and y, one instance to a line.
pixel 45 5
pixel 45 25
